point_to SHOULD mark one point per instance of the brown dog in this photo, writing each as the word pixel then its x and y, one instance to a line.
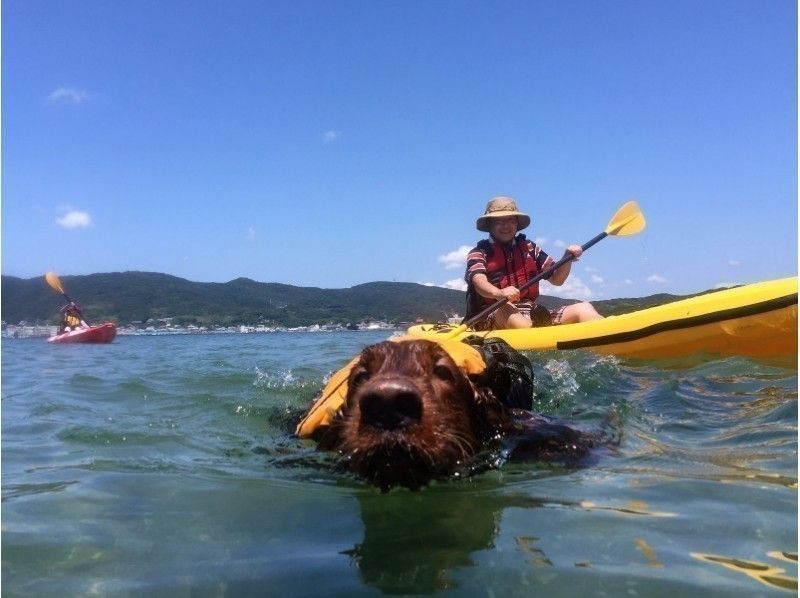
pixel 411 415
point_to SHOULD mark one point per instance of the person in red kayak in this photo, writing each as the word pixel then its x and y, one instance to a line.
pixel 71 318
pixel 497 267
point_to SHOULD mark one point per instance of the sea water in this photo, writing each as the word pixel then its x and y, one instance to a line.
pixel 166 466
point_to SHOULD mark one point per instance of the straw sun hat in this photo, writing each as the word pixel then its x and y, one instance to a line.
pixel 502 207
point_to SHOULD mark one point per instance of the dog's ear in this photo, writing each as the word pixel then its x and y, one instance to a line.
pixel 489 413
pixel 329 436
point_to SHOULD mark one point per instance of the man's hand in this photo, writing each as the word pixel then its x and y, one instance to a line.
pixel 511 293
pixel 575 251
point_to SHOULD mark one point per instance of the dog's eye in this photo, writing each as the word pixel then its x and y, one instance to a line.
pixel 443 373
pixel 359 377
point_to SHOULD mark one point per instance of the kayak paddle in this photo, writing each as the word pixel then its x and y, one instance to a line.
pixel 54 282
pixel 628 220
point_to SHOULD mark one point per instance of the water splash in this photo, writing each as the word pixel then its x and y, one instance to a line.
pixel 282 379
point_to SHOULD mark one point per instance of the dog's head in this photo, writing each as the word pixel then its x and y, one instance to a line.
pixel 411 414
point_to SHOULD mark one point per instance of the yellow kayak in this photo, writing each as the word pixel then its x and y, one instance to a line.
pixel 757 320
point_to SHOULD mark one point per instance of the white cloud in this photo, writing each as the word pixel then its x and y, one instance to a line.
pixel 455 259
pixel 250 233
pixel 540 241
pixel 734 263
pixel 331 135
pixel 559 243
pixel 628 281
pixel 596 279
pixel 573 288
pixel 656 278
pixel 457 283
pixel 74 219
pixel 590 269
pixel 725 285
pixel 67 95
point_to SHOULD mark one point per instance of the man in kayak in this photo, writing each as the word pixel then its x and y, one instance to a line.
pixel 497 267
pixel 71 318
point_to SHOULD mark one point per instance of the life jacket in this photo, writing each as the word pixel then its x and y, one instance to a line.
pixel 506 371
pixel 512 265
pixel 71 320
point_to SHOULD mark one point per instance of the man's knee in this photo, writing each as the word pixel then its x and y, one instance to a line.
pixel 588 312
pixel 580 312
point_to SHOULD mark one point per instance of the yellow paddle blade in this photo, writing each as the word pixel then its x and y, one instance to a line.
pixel 628 220
pixel 455 332
pixel 54 282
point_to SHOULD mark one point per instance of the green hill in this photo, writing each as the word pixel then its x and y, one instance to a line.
pixel 127 297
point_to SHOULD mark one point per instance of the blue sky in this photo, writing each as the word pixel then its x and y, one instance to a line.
pixel 332 143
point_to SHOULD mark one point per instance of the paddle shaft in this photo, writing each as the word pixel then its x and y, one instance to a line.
pixel 501 302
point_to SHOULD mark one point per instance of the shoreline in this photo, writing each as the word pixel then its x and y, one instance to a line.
pixel 22 332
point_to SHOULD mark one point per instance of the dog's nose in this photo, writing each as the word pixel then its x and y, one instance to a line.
pixel 391 405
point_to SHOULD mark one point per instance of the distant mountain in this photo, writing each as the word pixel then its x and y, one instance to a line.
pixel 128 297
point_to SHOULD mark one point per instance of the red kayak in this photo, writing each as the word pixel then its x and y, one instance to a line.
pixel 104 333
